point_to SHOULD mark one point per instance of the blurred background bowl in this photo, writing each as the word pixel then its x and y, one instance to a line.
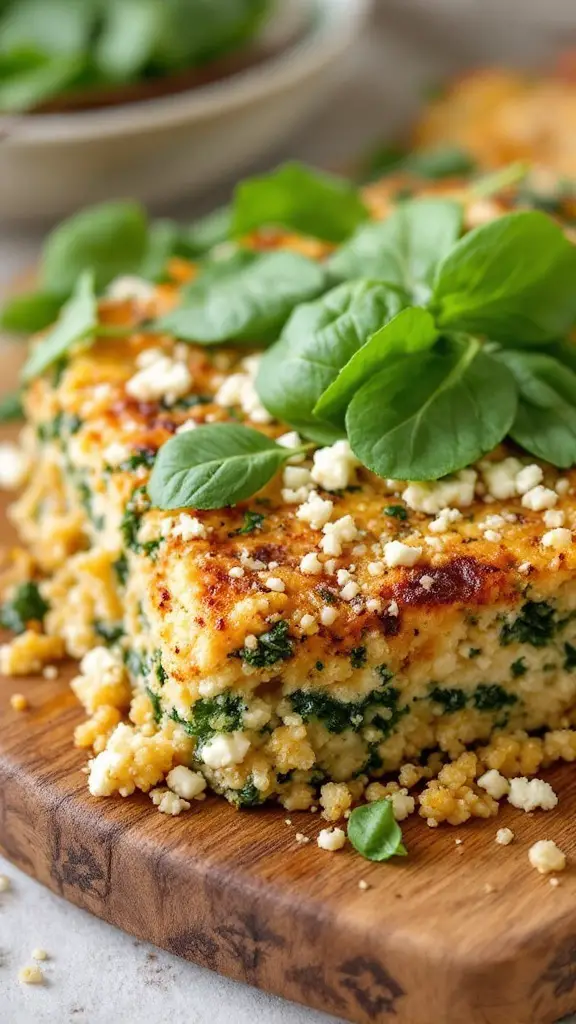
pixel 161 149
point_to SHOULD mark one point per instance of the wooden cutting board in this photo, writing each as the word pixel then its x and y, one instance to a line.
pixel 452 934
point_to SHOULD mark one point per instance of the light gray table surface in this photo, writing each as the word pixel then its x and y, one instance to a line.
pixel 96 974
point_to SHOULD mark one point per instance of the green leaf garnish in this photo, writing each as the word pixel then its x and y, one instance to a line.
pixel 301 199
pixel 78 320
pixel 11 407
pixel 434 162
pixel 545 423
pixel 220 465
pixel 30 312
pixel 318 340
pixel 249 302
pixel 405 249
pixel 374 832
pixel 109 239
pixel 426 415
pixel 497 181
pixel 411 331
pixel 512 279
pixel 25 605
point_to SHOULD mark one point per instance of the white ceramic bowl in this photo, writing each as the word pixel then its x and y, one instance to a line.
pixel 162 149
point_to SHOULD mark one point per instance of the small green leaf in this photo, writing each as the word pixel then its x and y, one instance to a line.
pixel 207 232
pixel 25 605
pixel 110 239
pixel 162 243
pixel 545 423
pixel 31 312
pixel 412 330
pixel 301 199
pixel 512 279
pixel 318 340
pixel 78 320
pixel 222 464
pixel 374 832
pixel 11 407
pixel 245 303
pixel 128 37
pixel 497 181
pixel 34 85
pixel 432 413
pixel 404 249
pixel 434 162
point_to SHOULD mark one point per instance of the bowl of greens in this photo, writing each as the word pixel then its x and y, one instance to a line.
pixel 154 98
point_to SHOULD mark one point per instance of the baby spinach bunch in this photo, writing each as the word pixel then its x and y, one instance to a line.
pixel 52 47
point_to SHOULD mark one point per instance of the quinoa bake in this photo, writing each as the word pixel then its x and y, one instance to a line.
pixel 321 625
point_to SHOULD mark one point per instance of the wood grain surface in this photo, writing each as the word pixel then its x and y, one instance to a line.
pixel 452 934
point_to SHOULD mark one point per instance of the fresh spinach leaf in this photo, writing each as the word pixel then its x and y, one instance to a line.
pixel 404 249
pixel 301 199
pixel 434 162
pixel 78 320
pixel 30 312
pixel 11 407
pixel 432 413
pixel 512 279
pixel 128 37
pixel 223 463
pixel 25 605
pixel 109 239
pixel 545 423
pixel 374 832
pixel 410 331
pixel 246 303
pixel 33 85
pixel 318 340
pixel 206 232
pixel 496 181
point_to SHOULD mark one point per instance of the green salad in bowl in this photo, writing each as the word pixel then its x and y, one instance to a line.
pixel 60 53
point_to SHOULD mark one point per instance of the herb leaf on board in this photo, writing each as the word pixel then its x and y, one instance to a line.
pixel 374 832
pixel 245 303
pixel 299 198
pixel 317 341
pixel 432 413
pixel 214 466
pixel 30 312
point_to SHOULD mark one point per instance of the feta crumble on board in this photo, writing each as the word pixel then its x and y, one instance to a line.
pixel 545 856
pixel 331 839
pixel 530 794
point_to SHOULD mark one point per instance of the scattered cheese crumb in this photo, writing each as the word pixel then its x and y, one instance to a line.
pixel 14 465
pixel 18 702
pixel 426 582
pixel 328 615
pixel 528 478
pixel 163 378
pixel 444 520
pixel 545 856
pixel 189 528
pixel 224 750
pixel 331 839
pixel 336 534
pixel 5 883
pixel 315 510
pixel 350 591
pixel 30 975
pixel 236 572
pixel 539 498
pixel 310 564
pixel 301 838
pixel 402 804
pixel 435 496
pixel 130 287
pixel 363 885
pixel 494 783
pixel 186 783
pixel 559 538
pixel 396 553
pixel 553 518
pixel 528 794
pixel 275 584
pixel 172 804
pixel 504 836
pixel 335 467
pixel 39 954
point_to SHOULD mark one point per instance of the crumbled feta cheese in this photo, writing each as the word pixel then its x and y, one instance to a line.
pixel 328 615
pixel 310 564
pixel 30 976
pixel 444 520
pixel 276 584
pixel 292 440
pixel 189 528
pixel 350 591
pixel 250 642
pixel 504 836
pixel 426 582
pixel 396 553
pixel 130 287
pixel 562 485
pixel 393 609
pixel 545 856
pixel 500 477
pixel 307 622
pixel 492 536
pixel 116 453
pixel 528 478
pixel 315 510
pixel 559 539
pixel 374 605
pixel 343 576
pixel 39 954
pixel 14 466
pixel 172 804
pixel 186 783
pixel 539 498
pixel 343 531
pixel 402 804
pixel 528 794
pixel 5 883
pixel 224 750
pixel 495 784
pixel 553 518
pixel 185 427
pixel 236 572
pixel 434 496
pixel 240 389
pixel 525 567
pixel 164 378
pixel 331 839
pixel 297 485
pixel 335 467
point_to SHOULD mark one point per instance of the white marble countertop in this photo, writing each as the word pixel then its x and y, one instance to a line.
pixel 96 974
